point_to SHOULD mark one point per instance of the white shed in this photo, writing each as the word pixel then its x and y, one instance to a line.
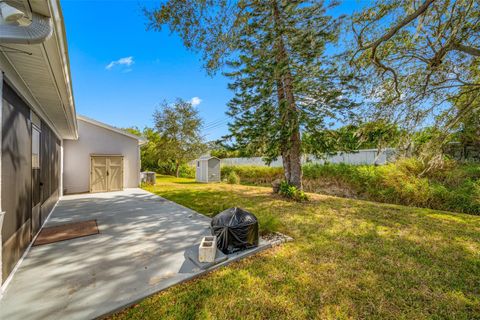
pixel 208 169
pixel 103 158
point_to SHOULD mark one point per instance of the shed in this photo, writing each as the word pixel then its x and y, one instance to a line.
pixel 208 169
pixel 102 159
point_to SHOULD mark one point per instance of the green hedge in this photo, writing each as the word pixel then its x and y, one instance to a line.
pixel 253 174
pixel 453 188
pixel 168 169
pixel 187 171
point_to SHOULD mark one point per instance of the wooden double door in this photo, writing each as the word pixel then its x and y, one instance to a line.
pixel 106 173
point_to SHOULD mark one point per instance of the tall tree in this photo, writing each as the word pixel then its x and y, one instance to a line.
pixel 352 137
pixel 179 128
pixel 419 57
pixel 273 50
pixel 150 152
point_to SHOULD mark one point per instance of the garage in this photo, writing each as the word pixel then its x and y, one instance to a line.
pixel 102 159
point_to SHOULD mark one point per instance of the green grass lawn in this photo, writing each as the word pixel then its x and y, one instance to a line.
pixel 350 259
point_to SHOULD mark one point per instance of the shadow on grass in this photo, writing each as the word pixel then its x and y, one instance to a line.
pixel 358 276
pixel 210 202
pixel 350 259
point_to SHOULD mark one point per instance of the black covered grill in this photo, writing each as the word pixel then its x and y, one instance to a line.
pixel 236 229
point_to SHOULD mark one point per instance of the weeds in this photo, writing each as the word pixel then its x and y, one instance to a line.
pixel 455 187
pixel 291 192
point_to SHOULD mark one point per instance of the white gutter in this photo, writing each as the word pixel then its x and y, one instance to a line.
pixel 39 30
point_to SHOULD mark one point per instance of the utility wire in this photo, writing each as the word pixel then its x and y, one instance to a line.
pixel 216 124
pixel 221 124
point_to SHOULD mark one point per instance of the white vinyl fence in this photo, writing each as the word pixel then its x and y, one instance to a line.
pixel 366 156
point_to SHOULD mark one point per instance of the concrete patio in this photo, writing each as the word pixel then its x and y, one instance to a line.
pixel 140 250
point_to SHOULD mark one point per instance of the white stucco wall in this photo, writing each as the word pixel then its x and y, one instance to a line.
pixel 94 139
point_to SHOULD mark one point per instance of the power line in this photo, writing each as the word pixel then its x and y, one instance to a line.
pixel 215 121
pixel 216 124
pixel 212 128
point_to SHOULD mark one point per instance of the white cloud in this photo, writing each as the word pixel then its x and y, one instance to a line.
pixel 127 61
pixel 195 101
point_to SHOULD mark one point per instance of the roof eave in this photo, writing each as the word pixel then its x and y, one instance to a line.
pixel 61 39
pixel 141 140
pixel 48 93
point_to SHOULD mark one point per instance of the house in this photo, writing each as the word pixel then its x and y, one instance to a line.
pixel 45 147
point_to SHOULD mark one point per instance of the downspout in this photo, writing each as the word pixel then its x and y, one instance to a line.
pixel 39 29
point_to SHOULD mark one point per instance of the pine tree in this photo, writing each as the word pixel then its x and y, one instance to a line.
pixel 274 53
pixel 283 84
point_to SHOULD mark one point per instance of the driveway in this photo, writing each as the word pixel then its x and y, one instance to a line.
pixel 140 250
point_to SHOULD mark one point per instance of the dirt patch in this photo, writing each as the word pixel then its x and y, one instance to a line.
pixel 330 187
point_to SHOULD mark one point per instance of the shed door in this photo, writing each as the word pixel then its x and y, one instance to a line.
pixel 115 173
pixel 213 170
pixel 106 173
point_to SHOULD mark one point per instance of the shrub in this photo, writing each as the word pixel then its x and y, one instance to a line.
pixel 233 178
pixel 186 171
pixel 253 174
pixel 291 192
pixel 455 187
pixel 168 168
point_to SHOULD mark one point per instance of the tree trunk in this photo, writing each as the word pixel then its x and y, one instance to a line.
pixel 295 159
pixel 286 165
pixel 291 147
pixel 177 169
pixel 295 143
pixel 281 107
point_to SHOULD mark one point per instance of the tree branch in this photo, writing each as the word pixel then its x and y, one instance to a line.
pixel 466 49
pixel 400 25
pixel 387 36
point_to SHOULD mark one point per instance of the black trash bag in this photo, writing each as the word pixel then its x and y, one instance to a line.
pixel 236 229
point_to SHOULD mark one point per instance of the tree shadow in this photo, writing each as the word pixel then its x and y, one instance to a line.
pixel 139 249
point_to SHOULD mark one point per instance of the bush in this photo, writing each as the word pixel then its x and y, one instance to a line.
pixel 233 178
pixel 186 171
pixel 455 187
pixel 168 169
pixel 291 192
pixel 253 174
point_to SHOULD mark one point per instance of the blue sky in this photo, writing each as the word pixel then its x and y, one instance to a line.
pixel 121 72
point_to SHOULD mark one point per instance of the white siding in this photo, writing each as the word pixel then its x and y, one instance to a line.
pixel 94 139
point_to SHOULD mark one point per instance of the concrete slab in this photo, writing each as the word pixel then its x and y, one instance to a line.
pixel 193 254
pixel 141 249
